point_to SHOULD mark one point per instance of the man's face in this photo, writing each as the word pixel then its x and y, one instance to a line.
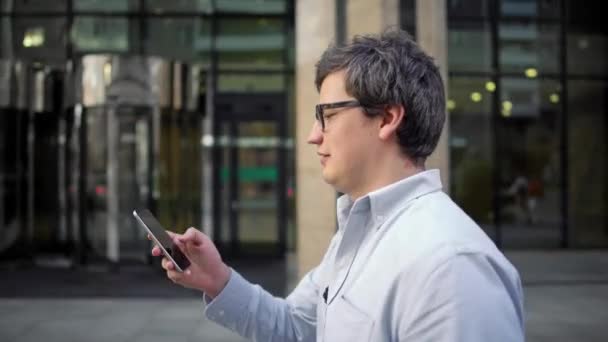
pixel 350 139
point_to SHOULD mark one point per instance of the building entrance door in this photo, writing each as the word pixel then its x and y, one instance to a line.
pixel 249 177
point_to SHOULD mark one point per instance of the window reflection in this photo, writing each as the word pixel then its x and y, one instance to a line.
pixel 471 147
pixel 225 133
pixel 530 8
pixel 36 37
pixel 6 6
pixel 589 18
pixel 6 38
pixel 583 47
pixel 588 161
pixel 101 34
pixel 251 83
pixel 258 181
pixel 528 161
pixel 524 46
pixel 252 6
pixel 469 46
pixel 40 6
pixel 529 148
pixel 179 38
pixel 469 8
pixel 106 5
pixel 185 6
pixel 251 43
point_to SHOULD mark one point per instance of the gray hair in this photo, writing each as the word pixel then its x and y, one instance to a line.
pixel 390 69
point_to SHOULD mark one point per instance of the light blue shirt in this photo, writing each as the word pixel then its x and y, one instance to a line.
pixel 406 264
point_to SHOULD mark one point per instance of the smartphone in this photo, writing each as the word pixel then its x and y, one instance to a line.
pixel 162 239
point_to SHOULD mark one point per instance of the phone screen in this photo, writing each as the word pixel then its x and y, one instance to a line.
pixel 162 237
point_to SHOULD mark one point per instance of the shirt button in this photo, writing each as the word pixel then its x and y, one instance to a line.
pixel 221 312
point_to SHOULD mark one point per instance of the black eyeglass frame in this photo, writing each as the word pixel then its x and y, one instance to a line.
pixel 323 106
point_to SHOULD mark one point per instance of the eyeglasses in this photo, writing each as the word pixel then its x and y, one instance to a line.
pixel 320 108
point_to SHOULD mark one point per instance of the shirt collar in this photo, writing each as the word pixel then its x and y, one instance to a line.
pixel 381 203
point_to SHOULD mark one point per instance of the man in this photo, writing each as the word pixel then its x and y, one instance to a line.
pixel 406 263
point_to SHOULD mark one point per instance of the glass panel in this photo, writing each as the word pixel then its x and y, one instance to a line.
pixel 529 48
pixel 133 178
pixel 587 39
pixel 589 18
pixel 529 162
pixel 40 6
pixel 251 43
pixel 97 185
pixel 468 9
pixel 178 6
pixel 40 38
pixel 471 151
pixel 290 173
pixel 257 182
pixel 226 171
pixel 469 46
pixel 169 171
pixel 585 47
pixel 101 34
pixel 408 16
pixel 45 179
pixel 9 220
pixel 190 172
pixel 248 6
pixel 106 5
pixel 180 172
pixel 6 6
pixel 244 83
pixel 183 39
pixel 530 8
pixel 6 38
pixel 588 162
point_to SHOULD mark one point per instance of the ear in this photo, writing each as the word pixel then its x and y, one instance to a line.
pixel 391 119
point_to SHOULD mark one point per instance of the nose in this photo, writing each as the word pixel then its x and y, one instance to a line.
pixel 315 136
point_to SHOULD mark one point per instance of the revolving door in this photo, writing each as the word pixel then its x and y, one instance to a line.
pixel 124 107
pixel 115 117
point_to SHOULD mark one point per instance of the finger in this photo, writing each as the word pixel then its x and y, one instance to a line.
pixel 193 236
pixel 156 251
pixel 172 235
pixel 175 276
pixel 167 264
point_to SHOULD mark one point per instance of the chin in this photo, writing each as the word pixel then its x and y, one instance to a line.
pixel 328 177
pixel 332 179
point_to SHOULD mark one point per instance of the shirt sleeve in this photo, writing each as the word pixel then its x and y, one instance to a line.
pixel 253 313
pixel 469 297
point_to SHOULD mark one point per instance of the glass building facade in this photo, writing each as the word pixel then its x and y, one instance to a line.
pixel 187 107
pixel 527 98
pixel 200 95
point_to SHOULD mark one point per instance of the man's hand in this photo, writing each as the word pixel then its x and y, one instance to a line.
pixel 207 272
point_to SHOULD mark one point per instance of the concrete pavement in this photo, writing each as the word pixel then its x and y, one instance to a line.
pixel 566 300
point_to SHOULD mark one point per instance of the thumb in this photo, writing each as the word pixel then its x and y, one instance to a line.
pixel 192 249
pixel 192 236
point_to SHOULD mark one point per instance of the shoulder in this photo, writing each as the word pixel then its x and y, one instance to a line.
pixel 433 226
pixel 433 233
